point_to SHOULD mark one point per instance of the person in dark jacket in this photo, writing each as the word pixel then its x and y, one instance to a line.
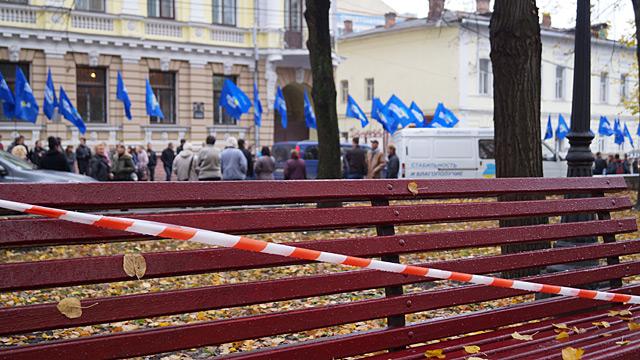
pixel 54 159
pixel 248 156
pixel 617 166
pixel 295 168
pixel 36 154
pixel 123 165
pixel 99 167
pixel 181 146
pixel 167 158
pixel 83 155
pixel 356 161
pixel 153 161
pixel 600 164
pixel 393 163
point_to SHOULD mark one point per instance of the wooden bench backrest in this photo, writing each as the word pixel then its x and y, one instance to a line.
pixel 214 206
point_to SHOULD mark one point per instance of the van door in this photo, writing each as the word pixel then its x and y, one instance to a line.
pixel 486 158
pixel 455 157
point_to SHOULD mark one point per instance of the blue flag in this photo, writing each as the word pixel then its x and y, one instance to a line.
pixel 123 95
pixel 234 101
pixel 418 115
pixel 399 112
pixel 257 106
pixel 604 128
pixel 153 106
pixel 381 114
pixel 627 134
pixel 443 118
pixel 26 106
pixel 549 133
pixel 281 107
pixel 50 99
pixel 617 132
pixel 69 112
pixel 354 111
pixel 562 130
pixel 8 103
pixel 309 114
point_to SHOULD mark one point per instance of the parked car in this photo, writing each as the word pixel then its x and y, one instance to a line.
pixel 308 151
pixel 13 169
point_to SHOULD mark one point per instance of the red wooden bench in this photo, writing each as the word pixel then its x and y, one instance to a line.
pixel 215 206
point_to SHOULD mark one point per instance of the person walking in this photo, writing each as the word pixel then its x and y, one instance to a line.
pixel 248 156
pixel 99 166
pixel 123 168
pixel 209 161
pixel 36 154
pixel 143 163
pixel 185 164
pixel 355 158
pixel 71 158
pixel 265 165
pixel 167 158
pixel 617 166
pixel 295 168
pixel 181 146
pixel 153 161
pixel 393 163
pixel 83 155
pixel 54 159
pixel 375 161
pixel 600 164
pixel 233 162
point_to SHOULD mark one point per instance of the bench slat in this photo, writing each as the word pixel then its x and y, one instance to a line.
pixel 110 195
pixel 110 309
pixel 38 231
pixel 88 270
pixel 137 343
pixel 430 330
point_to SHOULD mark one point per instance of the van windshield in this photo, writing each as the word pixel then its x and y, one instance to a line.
pixel 282 152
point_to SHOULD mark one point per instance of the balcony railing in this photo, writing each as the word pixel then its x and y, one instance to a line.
pixel 228 35
pixel 17 14
pixel 92 22
pixel 163 28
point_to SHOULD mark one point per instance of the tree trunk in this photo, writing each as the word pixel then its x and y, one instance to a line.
pixel 516 51
pixel 636 11
pixel 324 89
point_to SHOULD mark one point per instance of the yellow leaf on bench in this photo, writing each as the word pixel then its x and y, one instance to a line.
pixel 472 349
pixel 562 336
pixel 516 335
pixel 570 353
pixel 134 265
pixel 561 326
pixel 602 324
pixel 413 188
pixel 70 307
pixel 435 354
pixel 633 326
pixel 623 343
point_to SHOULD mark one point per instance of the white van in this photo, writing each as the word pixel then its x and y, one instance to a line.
pixel 432 153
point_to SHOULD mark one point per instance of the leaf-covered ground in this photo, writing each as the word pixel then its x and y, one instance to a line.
pixel 184 282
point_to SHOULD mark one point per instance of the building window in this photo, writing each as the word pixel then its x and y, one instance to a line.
pixel 160 9
pixel 624 87
pixel 163 84
pixel 484 77
pixel 92 94
pixel 604 87
pixel 23 2
pixel 224 12
pixel 8 70
pixel 344 91
pixel 220 116
pixel 293 15
pixel 90 5
pixel 559 82
pixel 369 88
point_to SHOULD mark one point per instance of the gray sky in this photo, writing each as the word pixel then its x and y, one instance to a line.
pixel 618 13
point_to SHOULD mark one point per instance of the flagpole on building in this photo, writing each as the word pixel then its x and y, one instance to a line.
pixel 256 58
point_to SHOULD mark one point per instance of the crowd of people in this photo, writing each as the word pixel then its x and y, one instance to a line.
pixel 359 163
pixel 613 164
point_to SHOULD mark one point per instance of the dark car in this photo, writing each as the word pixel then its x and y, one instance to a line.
pixel 13 169
pixel 308 151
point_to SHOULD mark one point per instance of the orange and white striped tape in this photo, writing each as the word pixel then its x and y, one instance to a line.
pixel 243 243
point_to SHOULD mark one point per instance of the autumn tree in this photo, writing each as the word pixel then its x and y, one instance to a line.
pixel 516 52
pixel 324 89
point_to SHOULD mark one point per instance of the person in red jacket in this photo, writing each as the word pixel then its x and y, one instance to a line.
pixel 295 168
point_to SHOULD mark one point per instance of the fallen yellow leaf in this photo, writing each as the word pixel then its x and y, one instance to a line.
pixel 70 307
pixel 561 326
pixel 435 354
pixel 476 358
pixel 578 331
pixel 134 265
pixel 602 324
pixel 606 335
pixel 562 336
pixel 633 326
pixel 570 353
pixel 413 188
pixel 516 335
pixel 472 349
pixel 623 343
pixel 201 315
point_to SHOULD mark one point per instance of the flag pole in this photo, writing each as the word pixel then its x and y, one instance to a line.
pixel 256 58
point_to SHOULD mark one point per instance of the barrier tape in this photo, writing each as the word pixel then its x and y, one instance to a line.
pixel 247 244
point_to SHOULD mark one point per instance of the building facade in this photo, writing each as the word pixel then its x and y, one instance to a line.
pixel 185 48
pixel 446 58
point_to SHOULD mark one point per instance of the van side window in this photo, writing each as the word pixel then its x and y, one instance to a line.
pixel 311 153
pixel 486 149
